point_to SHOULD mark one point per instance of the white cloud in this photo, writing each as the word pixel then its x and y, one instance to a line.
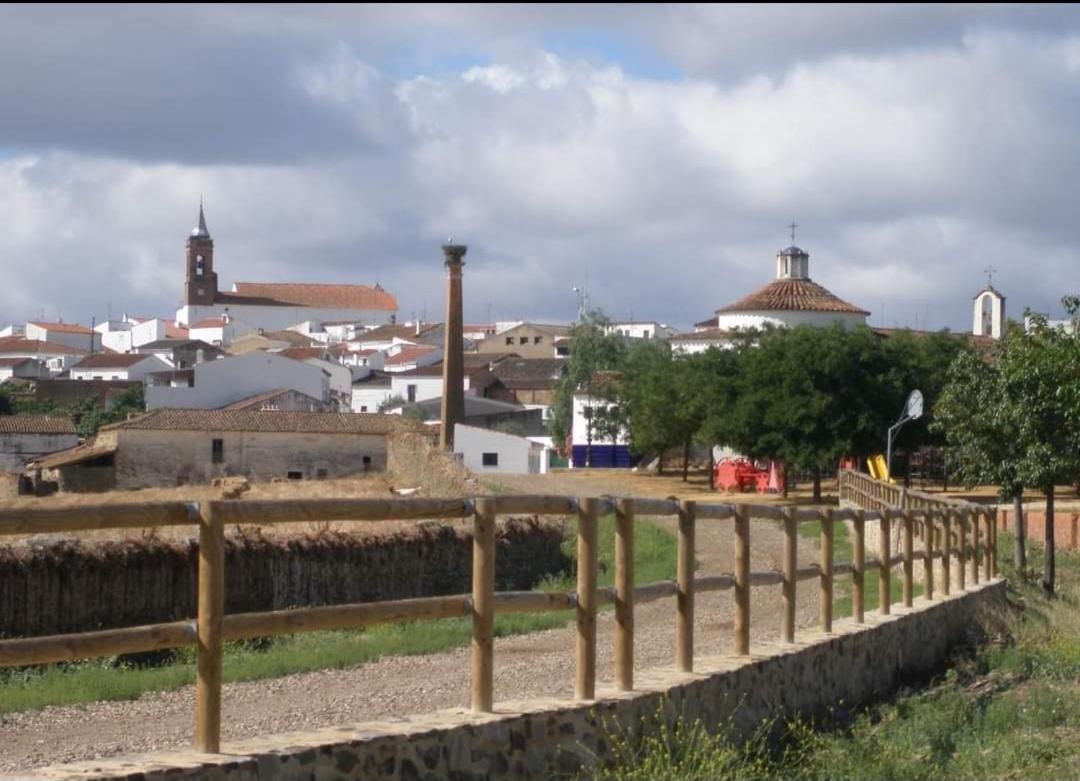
pixel 909 167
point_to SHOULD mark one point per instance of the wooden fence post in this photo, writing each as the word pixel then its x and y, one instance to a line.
pixel 976 559
pixel 858 568
pixel 791 556
pixel 884 568
pixel 988 544
pixel 826 569
pixel 946 552
pixel 211 615
pixel 585 681
pixel 742 579
pixel 624 595
pixel 483 605
pixel 684 616
pixel 928 554
pixel 961 550
pixel 909 585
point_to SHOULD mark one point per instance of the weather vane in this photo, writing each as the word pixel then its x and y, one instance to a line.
pixel 793 226
pixel 989 271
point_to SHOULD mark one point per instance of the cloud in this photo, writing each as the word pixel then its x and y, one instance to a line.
pixel 914 148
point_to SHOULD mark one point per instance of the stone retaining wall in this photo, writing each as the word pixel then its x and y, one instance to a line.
pixel 541 739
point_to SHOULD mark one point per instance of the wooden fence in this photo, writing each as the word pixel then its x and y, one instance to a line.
pixel 212 627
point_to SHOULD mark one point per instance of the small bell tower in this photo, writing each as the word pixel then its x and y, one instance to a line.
pixel 989 310
pixel 200 284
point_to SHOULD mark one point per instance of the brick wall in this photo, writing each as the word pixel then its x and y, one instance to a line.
pixel 1066 526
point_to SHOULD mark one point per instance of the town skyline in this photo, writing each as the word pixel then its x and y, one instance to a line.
pixel 654 155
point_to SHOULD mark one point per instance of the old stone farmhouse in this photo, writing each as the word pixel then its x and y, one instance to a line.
pixel 26 437
pixel 172 447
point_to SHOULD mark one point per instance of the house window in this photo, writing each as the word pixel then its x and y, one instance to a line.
pixel 523 340
pixel 647 334
pixel 411 391
pixel 217 451
pixel 367 463
pixel 490 459
pixel 320 474
pixel 537 339
pixel 295 475
pixel 200 266
pixel 509 340
pixel 363 407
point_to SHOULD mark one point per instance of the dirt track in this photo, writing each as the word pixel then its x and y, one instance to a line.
pixel 536 664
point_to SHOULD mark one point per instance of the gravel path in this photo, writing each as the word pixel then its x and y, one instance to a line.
pixel 539 664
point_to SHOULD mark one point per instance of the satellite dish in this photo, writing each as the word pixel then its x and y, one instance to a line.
pixel 914 407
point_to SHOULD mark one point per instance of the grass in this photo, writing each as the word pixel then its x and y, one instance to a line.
pixel 1010 709
pixel 117 679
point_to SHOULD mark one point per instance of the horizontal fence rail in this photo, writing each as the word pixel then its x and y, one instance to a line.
pixel 948 530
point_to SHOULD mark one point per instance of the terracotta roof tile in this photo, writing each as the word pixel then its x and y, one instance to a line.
pixel 408 354
pixel 391 331
pixel 209 322
pixel 785 295
pixel 258 420
pixel 708 335
pixel 311 295
pixel 523 373
pixel 35 424
pixel 77 454
pixel 16 344
pixel 63 328
pixel 111 360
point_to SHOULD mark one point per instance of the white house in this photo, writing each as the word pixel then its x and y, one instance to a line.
pixel 271 305
pixel 699 341
pixel 70 334
pixel 56 357
pixel 792 299
pixel 639 329
pixel 590 447
pixel 403 358
pixel 221 331
pixel 371 391
pixel 485 451
pixel 117 366
pixel 155 329
pixel 215 384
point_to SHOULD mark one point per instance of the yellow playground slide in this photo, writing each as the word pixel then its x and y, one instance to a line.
pixel 879 469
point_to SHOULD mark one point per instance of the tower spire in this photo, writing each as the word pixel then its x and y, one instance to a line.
pixel 200 231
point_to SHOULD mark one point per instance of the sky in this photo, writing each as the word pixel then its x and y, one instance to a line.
pixel 653 155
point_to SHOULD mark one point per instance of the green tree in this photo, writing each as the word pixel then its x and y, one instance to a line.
pixel 89 415
pixel 6 407
pixel 1040 370
pixel 592 350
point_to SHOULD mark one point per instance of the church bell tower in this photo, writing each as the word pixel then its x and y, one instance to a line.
pixel 200 284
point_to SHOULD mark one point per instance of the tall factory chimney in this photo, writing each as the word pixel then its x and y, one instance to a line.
pixel 453 399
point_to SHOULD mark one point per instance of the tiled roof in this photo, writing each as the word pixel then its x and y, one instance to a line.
pixel 64 328
pixel 710 323
pixel 257 420
pixel 486 359
pixel 110 361
pixel 308 295
pixel 176 344
pixel 387 332
pixel 408 354
pixel 256 401
pixel 35 424
pixel 8 363
pixel 292 337
pixel 16 344
pixel 787 295
pixel 708 335
pixel 519 373
pixel 302 353
pixel 77 454
pixel 982 344
pixel 209 322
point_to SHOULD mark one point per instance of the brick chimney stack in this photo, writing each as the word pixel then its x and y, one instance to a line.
pixel 453 400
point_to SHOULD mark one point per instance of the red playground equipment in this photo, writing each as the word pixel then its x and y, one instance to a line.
pixel 739 475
